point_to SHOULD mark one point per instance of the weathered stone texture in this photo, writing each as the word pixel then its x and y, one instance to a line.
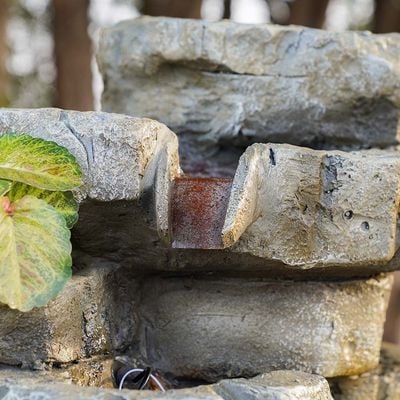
pixel 382 383
pixel 321 224
pixel 279 385
pixel 94 314
pixel 126 238
pixel 23 391
pixel 121 157
pixel 235 84
pixel 94 371
pixel 126 219
pixel 308 208
pixel 276 385
pixel 212 328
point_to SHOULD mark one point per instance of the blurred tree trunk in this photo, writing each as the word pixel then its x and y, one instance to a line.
pixel 386 16
pixel 173 8
pixel 4 76
pixel 309 13
pixel 73 55
pixel 227 9
pixel 387 19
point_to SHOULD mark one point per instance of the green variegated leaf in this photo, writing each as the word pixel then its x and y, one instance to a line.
pixel 35 253
pixel 5 186
pixel 38 163
pixel 63 202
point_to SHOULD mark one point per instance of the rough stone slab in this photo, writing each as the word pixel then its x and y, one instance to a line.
pixel 213 328
pixel 230 83
pixel 276 385
pixel 382 383
pixel 94 314
pixel 279 385
pixel 333 212
pixel 22 391
pixel 126 220
pixel 126 238
pixel 121 157
pixel 314 208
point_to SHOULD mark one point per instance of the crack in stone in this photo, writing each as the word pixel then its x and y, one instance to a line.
pixel 223 70
pixel 87 144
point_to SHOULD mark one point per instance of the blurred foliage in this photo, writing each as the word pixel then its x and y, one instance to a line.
pixel 30 60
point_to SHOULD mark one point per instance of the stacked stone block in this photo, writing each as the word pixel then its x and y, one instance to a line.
pixel 308 237
pixel 223 86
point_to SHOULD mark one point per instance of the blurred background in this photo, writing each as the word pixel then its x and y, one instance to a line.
pixel 47 48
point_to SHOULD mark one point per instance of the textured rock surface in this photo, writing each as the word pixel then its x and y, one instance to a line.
pixel 279 385
pixel 121 157
pixel 276 385
pixel 382 383
pixel 210 328
pixel 132 161
pixel 234 84
pixel 126 238
pixel 308 207
pixel 301 207
pixel 94 314
pixel 26 391
pixel 94 371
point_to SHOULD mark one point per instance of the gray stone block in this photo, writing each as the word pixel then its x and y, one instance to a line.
pixel 121 157
pixel 94 314
pixel 276 385
pixel 212 328
pixel 129 164
pixel 234 84
pixel 313 208
pixel 24 391
pixel 279 385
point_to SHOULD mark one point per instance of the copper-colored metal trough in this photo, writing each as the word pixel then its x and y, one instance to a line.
pixel 198 208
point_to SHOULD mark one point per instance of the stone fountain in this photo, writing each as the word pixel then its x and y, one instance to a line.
pixel 263 270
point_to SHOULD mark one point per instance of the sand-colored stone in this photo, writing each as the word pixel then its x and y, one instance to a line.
pixel 313 208
pixel 289 206
pixel 382 383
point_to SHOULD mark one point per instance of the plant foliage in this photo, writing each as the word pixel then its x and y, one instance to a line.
pixel 5 186
pixel 36 211
pixel 37 162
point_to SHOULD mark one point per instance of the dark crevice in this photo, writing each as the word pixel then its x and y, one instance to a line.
pixel 272 157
